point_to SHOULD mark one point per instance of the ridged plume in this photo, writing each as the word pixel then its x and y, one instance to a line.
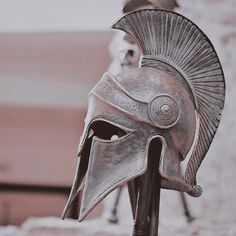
pixel 173 39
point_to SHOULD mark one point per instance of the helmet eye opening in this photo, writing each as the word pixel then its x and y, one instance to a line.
pixel 107 131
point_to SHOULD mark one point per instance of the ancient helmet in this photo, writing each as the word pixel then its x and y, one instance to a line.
pixel 176 95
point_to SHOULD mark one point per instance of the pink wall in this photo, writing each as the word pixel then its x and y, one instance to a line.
pixel 44 83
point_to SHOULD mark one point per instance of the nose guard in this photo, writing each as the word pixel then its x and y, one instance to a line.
pixel 112 163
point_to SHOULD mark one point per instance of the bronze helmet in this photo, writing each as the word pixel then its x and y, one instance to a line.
pixel 176 95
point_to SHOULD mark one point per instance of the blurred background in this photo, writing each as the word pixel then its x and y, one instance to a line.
pixel 52 53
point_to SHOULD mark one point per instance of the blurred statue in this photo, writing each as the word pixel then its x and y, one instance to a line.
pixel 143 122
pixel 131 5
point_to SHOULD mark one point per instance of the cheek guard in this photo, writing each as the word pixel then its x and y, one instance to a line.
pixel 176 95
pixel 107 171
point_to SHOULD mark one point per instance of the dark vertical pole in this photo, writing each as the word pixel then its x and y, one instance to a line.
pixel 155 204
pixel 147 210
pixel 141 222
pixel 155 152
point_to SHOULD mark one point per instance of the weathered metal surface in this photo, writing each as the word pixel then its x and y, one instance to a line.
pixel 176 96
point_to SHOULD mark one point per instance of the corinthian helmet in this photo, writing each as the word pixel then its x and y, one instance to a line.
pixel 176 95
